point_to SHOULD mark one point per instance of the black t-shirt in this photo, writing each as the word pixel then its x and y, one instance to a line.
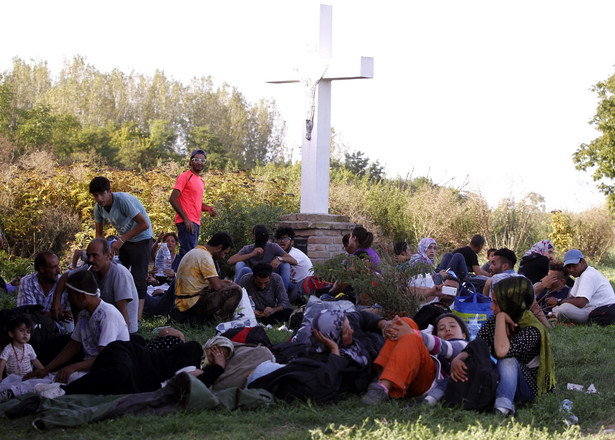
pixel 469 255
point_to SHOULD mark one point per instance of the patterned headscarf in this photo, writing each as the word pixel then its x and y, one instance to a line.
pixel 331 324
pixel 540 248
pixel 421 255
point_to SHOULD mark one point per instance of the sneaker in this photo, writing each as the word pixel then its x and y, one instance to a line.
pixel 6 395
pixel 503 412
pixel 49 390
pixel 375 394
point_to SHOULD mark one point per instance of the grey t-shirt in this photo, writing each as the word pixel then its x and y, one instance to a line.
pixel 272 250
pixel 273 295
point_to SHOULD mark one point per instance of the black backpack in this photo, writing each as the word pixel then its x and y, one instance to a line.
pixel 44 327
pixel 604 315
pixel 478 392
pixel 429 313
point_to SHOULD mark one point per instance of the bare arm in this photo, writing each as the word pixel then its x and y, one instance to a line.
pixel 37 364
pixel 122 306
pixel 99 230
pixel 478 271
pixel 56 306
pixel 142 225
pixel 174 201
pixel 212 211
pixel 503 326
pixel 487 288
pixel 2 365
pixel 243 257
pixel 217 284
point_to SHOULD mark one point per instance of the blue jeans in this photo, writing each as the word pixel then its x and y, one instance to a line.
pixel 454 262
pixel 438 391
pixel 513 387
pixel 241 268
pixel 187 242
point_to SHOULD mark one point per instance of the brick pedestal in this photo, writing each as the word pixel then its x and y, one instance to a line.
pixel 318 235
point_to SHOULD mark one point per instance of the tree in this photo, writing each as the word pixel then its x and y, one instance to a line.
pixel 600 153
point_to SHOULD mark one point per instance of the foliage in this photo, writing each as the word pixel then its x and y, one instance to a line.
pixel 599 154
pixel 518 225
pixel 132 120
pixel 12 266
pixel 389 288
pixel 562 234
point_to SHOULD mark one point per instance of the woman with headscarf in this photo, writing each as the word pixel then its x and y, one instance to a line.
pixel 519 342
pixel 337 357
pixel 535 262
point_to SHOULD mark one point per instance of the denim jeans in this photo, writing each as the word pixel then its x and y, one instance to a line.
pixel 283 269
pixel 187 242
pixel 512 387
pixel 437 392
pixel 454 262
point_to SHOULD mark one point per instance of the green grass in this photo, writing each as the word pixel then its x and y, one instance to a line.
pixel 583 355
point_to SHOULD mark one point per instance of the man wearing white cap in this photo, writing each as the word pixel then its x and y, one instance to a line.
pixel 591 290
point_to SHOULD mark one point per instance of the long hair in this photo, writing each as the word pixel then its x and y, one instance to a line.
pixel 514 296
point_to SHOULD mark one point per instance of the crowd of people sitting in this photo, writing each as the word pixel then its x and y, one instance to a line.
pixel 99 303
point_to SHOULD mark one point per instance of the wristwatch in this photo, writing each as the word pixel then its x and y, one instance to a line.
pixel 280 258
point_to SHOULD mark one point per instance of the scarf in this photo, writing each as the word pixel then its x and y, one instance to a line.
pixel 421 255
pixel 546 371
pixel 540 248
pixel 331 323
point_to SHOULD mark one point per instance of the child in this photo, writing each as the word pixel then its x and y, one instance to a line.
pixel 18 357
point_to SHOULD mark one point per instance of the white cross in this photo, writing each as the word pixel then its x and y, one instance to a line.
pixel 317 76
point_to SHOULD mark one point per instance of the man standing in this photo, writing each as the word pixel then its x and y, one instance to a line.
pixel 39 287
pixel 199 289
pixel 187 201
pixel 267 290
pixel 127 215
pixel 591 290
pixel 117 286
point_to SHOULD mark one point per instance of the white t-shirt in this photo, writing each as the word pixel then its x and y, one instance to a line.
pixel 105 325
pixel 593 286
pixel 302 269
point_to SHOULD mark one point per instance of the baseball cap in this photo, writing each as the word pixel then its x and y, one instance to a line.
pixel 573 256
pixel 198 151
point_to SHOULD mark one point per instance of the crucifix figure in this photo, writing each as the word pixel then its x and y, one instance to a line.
pixel 317 76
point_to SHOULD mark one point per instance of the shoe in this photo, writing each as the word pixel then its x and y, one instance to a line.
pixel 6 395
pixel 49 390
pixel 375 394
pixel 503 412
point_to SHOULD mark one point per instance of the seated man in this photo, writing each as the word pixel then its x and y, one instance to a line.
pixel 470 255
pixel 99 324
pixel 40 286
pixel 591 290
pixel 266 289
pixel 501 266
pixel 552 286
pixel 285 237
pixel 117 286
pixel 262 251
pixel 198 288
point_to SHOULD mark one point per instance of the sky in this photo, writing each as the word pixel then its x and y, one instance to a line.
pixel 487 96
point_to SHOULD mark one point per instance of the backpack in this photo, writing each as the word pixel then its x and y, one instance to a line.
pixel 429 313
pixel 248 335
pixel 478 392
pixel 604 315
pixel 315 286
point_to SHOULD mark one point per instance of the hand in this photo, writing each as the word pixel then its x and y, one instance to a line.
pixel 551 302
pixel 170 273
pixel 508 322
pixel 15 281
pixel 257 252
pixel 57 311
pixel 547 281
pixel 268 311
pixel 67 316
pixel 115 247
pixel 63 375
pixel 212 211
pixel 39 373
pixel 459 369
pixel 329 344
pixel 216 356
pixel 259 313
pixel 189 226
pixel 275 263
pixel 160 237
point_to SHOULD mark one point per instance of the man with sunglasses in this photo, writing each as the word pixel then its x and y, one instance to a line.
pixel 187 201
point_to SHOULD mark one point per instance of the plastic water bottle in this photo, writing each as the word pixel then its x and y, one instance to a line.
pixel 566 409
pixel 473 327
pixel 163 260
